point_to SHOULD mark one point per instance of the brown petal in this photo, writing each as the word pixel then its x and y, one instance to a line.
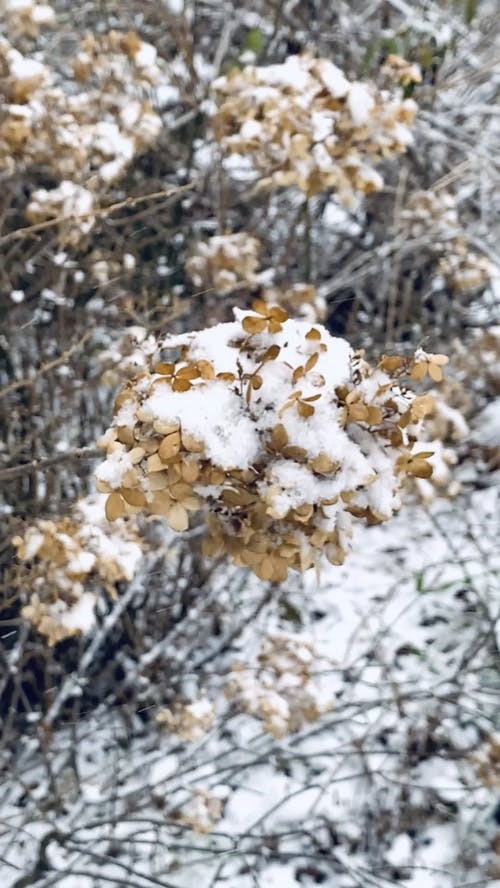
pixel 313 334
pixel 419 371
pixel 310 363
pixel 190 471
pixel 305 410
pixel 181 385
pixel 115 507
pixel 177 517
pixel 166 369
pixel 279 437
pixel 253 325
pixel 170 446
pixel 135 496
pixel 206 369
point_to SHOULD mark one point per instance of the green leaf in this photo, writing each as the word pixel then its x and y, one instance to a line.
pixel 254 41
pixel 289 612
pixel 470 10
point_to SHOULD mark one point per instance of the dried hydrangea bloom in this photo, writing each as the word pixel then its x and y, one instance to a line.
pixel 280 688
pixel 202 812
pixel 435 214
pixel 486 760
pixel 299 300
pixel 224 262
pixel 127 356
pixel 27 17
pixel 190 721
pixel 69 560
pixel 399 70
pixel 305 124
pixel 465 271
pixel 71 204
pixel 85 128
pixel 436 210
pixel 277 432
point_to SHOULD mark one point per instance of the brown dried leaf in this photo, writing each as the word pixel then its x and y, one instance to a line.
pixel 166 369
pixel 271 353
pixel 305 410
pixel 311 362
pixel 170 446
pixel 313 334
pixel 133 496
pixel 323 464
pixel 154 463
pixel 206 369
pixel 261 307
pixel 178 518
pixel 279 437
pixel 277 313
pixel 190 471
pixel 115 506
pixel 390 363
pixel 419 371
pixel 181 385
pixel 253 325
pixel 188 372
pixel 435 372
pixel 190 443
pixel 165 428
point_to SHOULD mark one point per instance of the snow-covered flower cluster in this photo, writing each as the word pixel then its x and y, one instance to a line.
pixel 202 812
pixel 299 300
pixel 69 560
pixel 85 127
pixel 487 761
pixel 127 356
pixel 400 70
pixel 190 721
pixel 280 689
pixel 464 270
pixel 27 17
pixel 305 124
pixel 276 431
pixel 435 213
pixel 224 262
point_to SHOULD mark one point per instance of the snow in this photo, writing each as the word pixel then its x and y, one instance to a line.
pixel 487 425
pixel 333 78
pixel 216 417
pixel 400 852
pixel 116 466
pixel 81 616
pixel 291 74
pixel 360 103
pixel 395 632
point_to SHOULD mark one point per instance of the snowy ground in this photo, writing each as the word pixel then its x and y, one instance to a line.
pixel 389 786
